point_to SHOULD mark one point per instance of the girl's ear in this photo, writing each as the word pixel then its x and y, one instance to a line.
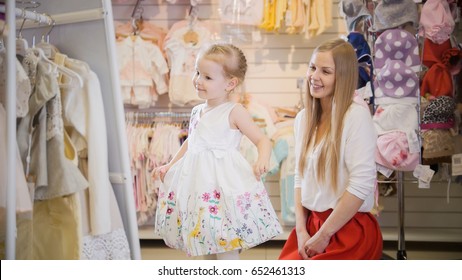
pixel 232 83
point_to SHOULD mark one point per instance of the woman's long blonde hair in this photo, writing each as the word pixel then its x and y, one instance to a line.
pixel 346 79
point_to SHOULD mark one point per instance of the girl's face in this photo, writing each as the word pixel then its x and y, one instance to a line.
pixel 210 81
pixel 321 75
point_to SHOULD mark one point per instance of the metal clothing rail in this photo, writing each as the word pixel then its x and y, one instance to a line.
pixel 36 19
pixel 9 35
pixel 153 115
pixel 31 15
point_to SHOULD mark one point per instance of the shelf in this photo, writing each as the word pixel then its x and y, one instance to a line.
pixel 389 234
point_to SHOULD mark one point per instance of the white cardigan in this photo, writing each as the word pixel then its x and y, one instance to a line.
pixel 357 163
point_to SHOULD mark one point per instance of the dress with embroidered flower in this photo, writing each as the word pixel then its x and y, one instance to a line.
pixel 210 201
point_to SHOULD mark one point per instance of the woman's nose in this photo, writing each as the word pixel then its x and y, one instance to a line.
pixel 313 76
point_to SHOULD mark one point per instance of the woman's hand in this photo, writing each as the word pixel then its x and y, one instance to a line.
pixel 316 244
pixel 302 239
pixel 159 172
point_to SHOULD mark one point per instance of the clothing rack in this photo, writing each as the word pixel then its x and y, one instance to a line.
pixel 97 17
pixel 9 9
pixel 10 28
pixel 152 118
pixel 36 19
pixel 30 15
pixel 153 115
pixel 401 253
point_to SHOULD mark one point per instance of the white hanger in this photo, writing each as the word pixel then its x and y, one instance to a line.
pixel 45 45
pixel 73 76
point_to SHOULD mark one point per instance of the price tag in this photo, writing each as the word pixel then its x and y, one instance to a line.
pixel 456 164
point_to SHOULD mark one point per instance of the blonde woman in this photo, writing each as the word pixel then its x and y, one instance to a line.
pixel 335 168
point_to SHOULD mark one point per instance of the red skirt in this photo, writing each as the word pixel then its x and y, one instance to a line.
pixel 359 239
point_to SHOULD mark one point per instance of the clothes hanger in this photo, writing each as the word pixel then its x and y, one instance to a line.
pixel 21 43
pixel 45 45
pixel 191 36
pixel 72 76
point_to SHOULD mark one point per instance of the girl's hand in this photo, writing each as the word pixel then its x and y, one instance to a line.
pixel 159 172
pixel 260 168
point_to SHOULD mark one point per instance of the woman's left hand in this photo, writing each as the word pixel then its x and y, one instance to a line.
pixel 316 244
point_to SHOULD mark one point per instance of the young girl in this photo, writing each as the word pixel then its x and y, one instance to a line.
pixel 335 174
pixel 210 201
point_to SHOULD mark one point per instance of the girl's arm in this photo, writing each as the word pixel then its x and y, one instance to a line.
pixel 160 171
pixel 241 119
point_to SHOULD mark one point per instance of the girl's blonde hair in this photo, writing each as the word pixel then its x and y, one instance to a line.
pixel 346 79
pixel 229 56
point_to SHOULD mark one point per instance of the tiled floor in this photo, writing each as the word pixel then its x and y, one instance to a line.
pixel 156 250
pixel 445 245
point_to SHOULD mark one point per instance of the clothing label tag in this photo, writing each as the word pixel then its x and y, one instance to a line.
pixel 423 185
pixel 456 164
pixel 414 146
pixel 424 173
pixel 385 171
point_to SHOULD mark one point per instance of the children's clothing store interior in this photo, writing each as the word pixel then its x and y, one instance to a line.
pixel 94 95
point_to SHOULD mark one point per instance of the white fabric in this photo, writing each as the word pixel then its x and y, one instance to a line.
pixel 210 201
pixel 398 117
pixel 357 163
pixel 248 12
pixel 182 58
pixel 23 199
pixel 110 246
pixel 83 110
pixel 23 87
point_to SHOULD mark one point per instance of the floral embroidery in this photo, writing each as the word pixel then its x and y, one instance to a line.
pixel 213 209
pixel 210 219
pixel 213 229
pixel 205 197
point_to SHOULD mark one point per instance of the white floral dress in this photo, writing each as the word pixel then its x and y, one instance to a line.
pixel 210 201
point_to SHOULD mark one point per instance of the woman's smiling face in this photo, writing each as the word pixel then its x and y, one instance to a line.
pixel 321 74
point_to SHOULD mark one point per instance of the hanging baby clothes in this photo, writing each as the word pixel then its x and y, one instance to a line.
pixel 210 201
pixel 181 55
pixel 142 71
pixel 40 134
pixel 284 150
pixel 319 17
pixel 23 90
pixel 103 234
pixel 41 138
